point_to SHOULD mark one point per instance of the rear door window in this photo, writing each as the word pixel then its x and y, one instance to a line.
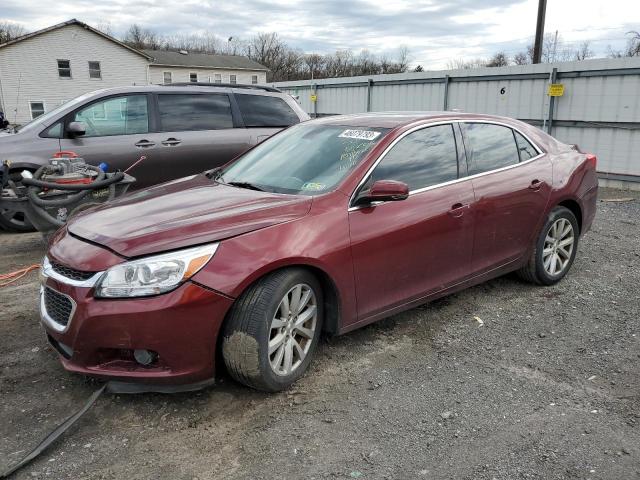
pixel 265 111
pixel 421 159
pixel 188 112
pixel 527 151
pixel 489 147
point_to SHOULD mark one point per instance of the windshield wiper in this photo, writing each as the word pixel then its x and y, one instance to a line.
pixel 247 185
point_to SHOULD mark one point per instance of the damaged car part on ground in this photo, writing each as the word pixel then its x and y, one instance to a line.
pixel 182 130
pixel 327 226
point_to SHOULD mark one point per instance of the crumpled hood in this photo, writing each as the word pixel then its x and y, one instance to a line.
pixel 185 212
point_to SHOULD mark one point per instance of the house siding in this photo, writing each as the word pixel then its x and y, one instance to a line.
pixel 29 70
pixel 181 74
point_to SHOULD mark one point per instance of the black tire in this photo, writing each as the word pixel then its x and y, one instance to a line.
pixel 247 330
pixel 15 222
pixel 534 271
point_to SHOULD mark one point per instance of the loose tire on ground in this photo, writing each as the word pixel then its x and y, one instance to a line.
pixel 553 242
pixel 259 318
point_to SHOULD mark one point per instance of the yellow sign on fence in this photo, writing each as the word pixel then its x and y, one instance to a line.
pixel 314 97
pixel 556 90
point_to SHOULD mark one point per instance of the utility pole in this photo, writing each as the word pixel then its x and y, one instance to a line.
pixel 537 46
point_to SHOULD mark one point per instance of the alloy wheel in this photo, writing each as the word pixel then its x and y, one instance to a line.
pixel 293 329
pixel 558 247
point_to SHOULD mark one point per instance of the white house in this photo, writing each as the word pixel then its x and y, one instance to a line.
pixel 42 70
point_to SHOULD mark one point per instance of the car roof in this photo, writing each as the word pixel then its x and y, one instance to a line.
pixel 399 119
pixel 185 88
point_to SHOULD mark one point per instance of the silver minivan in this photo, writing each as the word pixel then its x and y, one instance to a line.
pixel 180 129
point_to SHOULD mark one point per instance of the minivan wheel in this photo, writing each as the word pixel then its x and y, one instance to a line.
pixel 273 329
pixel 15 221
pixel 555 249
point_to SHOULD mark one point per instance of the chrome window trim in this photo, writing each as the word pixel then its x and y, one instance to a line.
pixel 44 315
pixel 48 271
pixel 450 182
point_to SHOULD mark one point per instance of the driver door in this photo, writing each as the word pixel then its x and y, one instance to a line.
pixel 117 133
pixel 405 250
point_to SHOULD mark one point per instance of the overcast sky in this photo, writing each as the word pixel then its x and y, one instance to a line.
pixel 435 31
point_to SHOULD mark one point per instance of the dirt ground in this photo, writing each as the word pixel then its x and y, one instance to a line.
pixel 547 388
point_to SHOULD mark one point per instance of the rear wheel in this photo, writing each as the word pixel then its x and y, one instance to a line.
pixel 273 330
pixel 555 249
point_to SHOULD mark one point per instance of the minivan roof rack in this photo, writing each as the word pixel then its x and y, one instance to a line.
pixel 226 85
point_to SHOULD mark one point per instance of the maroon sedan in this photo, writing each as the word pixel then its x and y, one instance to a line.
pixel 327 226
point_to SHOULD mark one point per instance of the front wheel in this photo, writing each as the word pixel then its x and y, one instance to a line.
pixel 273 329
pixel 555 249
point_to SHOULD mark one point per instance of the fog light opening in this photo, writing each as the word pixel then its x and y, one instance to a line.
pixel 145 357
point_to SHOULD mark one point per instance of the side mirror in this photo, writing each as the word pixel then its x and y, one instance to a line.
pixel 76 129
pixel 384 191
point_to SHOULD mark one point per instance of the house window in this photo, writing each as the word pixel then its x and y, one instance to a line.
pixel 193 77
pixel 64 68
pixel 232 79
pixel 254 79
pixel 166 77
pixel 94 70
pixel 37 109
pixel 217 78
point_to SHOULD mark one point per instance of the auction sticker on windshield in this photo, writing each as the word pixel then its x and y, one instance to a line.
pixel 360 134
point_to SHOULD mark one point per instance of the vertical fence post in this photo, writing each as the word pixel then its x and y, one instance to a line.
pixel 369 92
pixel 552 102
pixel 446 93
pixel 314 88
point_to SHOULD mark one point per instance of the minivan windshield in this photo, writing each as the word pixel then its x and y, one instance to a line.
pixel 306 159
pixel 45 118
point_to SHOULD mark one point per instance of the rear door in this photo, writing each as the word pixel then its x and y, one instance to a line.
pixel 195 132
pixel 512 183
pixel 405 250
pixel 263 115
pixel 117 133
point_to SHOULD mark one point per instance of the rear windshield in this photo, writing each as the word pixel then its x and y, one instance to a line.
pixel 305 159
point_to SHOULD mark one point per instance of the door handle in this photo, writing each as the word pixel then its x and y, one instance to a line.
pixel 169 142
pixel 457 210
pixel 144 144
pixel 535 185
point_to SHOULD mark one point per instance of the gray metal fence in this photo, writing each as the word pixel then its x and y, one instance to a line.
pixel 599 109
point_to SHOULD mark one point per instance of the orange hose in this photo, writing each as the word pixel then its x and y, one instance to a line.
pixel 17 275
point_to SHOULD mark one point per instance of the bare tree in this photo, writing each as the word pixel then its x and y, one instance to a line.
pixel 419 68
pixel 142 38
pixel 521 58
pixel 583 51
pixel 499 59
pixel 631 50
pixel 10 31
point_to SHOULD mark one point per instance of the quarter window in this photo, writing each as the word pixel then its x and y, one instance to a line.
pixel 527 151
pixel 265 111
pixel 54 131
pixel 166 77
pixel 194 112
pixel 64 68
pixel 489 147
pixel 421 159
pixel 94 70
pixel 115 116
pixel 193 77
pixel 37 109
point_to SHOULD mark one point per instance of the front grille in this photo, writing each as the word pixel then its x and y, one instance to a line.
pixel 58 306
pixel 71 273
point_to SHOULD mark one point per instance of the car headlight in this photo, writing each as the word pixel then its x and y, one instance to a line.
pixel 155 274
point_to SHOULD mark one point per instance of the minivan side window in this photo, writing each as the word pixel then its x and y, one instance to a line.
pixel 527 151
pixel 265 111
pixel 125 115
pixel 423 158
pixel 489 147
pixel 189 112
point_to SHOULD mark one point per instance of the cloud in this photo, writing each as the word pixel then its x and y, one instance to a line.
pixel 435 31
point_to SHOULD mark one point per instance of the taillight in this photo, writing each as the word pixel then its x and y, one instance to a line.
pixel 592 160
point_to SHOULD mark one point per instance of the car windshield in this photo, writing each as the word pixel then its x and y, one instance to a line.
pixel 305 159
pixel 45 118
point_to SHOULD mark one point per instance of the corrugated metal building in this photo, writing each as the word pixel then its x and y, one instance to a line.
pixel 599 109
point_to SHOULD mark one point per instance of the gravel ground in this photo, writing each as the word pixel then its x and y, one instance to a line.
pixel 547 387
